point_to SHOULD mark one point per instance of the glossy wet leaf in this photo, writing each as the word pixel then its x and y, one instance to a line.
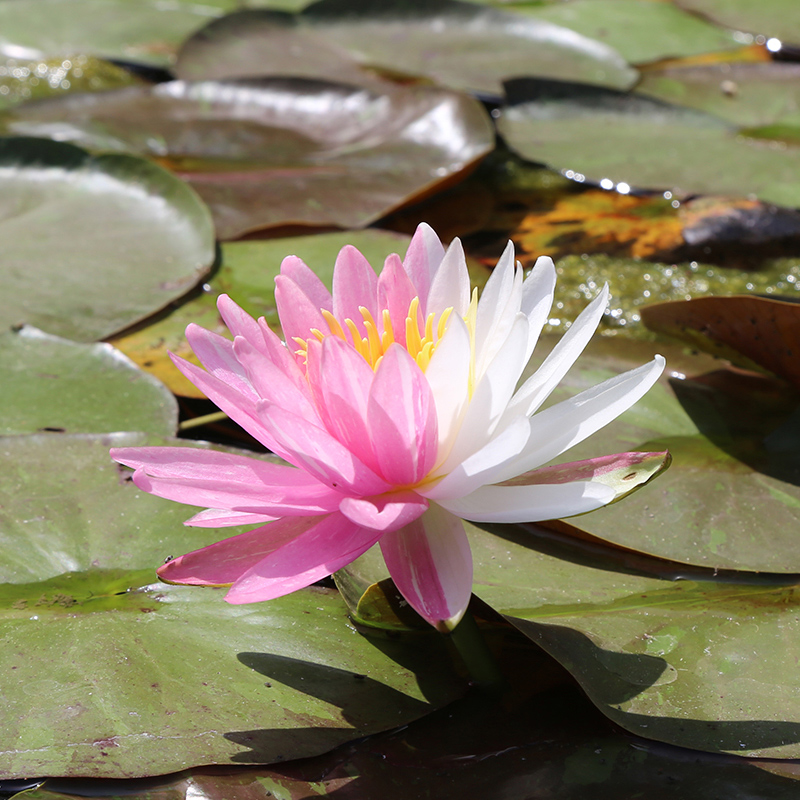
pixel 281 152
pixel 639 31
pixel 753 330
pixel 58 385
pixel 769 17
pixel 247 273
pixel 749 95
pixel 145 30
pixel 93 244
pixel 108 673
pixel 646 144
pixel 459 45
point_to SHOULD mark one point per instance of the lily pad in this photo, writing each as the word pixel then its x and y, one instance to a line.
pixel 749 95
pixel 147 30
pixel 57 385
pixel 731 499
pixel 646 144
pixel 774 18
pixel 264 153
pixel 94 244
pixel 247 273
pixel 108 673
pixel 754 330
pixel 640 32
pixel 696 663
pixel 459 45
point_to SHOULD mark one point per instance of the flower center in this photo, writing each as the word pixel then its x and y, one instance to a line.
pixel 420 342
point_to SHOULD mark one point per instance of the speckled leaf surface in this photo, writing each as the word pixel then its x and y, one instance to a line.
pixel 646 144
pixel 59 385
pixel 138 238
pixel 107 673
pixel 455 44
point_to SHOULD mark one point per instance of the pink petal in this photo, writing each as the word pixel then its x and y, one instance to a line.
pixel 431 565
pixel 402 419
pixel 450 285
pixel 225 518
pixel 395 293
pixel 239 322
pixel 315 553
pixel 216 355
pixel 299 314
pixel 224 562
pixel 354 284
pixel 318 452
pixel 272 383
pixel 241 408
pixel 225 480
pixel 423 257
pixel 282 355
pixel 344 384
pixel 298 272
pixel 387 512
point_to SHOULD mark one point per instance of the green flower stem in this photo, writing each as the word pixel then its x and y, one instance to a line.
pixel 217 416
pixel 478 659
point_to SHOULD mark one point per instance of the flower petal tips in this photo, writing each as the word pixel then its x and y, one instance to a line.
pixel 395 402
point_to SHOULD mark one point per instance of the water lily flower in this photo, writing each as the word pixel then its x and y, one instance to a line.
pixel 395 401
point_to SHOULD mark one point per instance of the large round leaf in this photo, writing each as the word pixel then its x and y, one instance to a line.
pixel 746 94
pixel 92 245
pixel 696 663
pixel 55 384
pixel 145 30
pixel 731 498
pixel 777 18
pixel 639 31
pixel 275 152
pixel 460 45
pixel 109 673
pixel 603 135
pixel 247 273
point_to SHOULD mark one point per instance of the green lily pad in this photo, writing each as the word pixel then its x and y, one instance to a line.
pixel 776 18
pixel 247 273
pixel 731 499
pixel 646 144
pixel 58 385
pixel 639 31
pixel 108 673
pixel 94 244
pixel 746 94
pixel 264 153
pixel 146 30
pixel 695 663
pixel 455 44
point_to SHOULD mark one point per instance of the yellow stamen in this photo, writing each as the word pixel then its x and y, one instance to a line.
pixel 470 319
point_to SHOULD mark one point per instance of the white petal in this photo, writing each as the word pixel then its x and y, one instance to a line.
pixel 450 285
pixel 537 388
pixel 530 503
pixel 490 397
pixel 448 377
pixel 481 467
pixel 563 425
pixel 537 297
